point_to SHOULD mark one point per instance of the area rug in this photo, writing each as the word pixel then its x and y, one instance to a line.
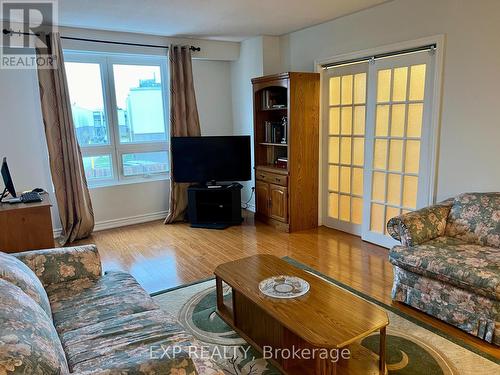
pixel 411 348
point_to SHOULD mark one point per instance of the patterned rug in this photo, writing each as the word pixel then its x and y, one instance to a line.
pixel 412 349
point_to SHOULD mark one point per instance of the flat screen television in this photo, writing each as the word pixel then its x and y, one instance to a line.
pixel 209 159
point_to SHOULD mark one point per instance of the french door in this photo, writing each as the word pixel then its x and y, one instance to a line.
pixel 377 167
pixel 345 145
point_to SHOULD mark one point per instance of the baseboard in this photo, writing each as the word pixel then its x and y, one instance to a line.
pixel 122 222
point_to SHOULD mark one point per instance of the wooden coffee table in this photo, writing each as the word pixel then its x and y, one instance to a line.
pixel 327 317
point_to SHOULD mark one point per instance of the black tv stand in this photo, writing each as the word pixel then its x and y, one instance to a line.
pixel 214 206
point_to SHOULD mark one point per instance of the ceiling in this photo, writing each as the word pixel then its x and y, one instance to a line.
pixel 212 19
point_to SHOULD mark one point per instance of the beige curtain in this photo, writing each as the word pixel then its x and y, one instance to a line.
pixel 66 166
pixel 184 120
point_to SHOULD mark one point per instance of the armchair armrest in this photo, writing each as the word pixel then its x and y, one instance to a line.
pixel 63 264
pixel 420 226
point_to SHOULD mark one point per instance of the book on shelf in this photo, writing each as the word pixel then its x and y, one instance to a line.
pixel 275 132
pixel 282 162
pixel 273 100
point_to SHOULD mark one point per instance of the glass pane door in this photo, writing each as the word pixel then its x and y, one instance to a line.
pixel 344 125
pixel 396 178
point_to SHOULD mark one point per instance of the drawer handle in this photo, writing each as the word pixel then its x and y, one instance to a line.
pixel 277 179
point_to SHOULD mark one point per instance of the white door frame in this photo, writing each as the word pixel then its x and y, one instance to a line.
pixel 439 41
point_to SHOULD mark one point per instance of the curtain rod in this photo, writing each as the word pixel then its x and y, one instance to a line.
pixel 11 32
pixel 429 47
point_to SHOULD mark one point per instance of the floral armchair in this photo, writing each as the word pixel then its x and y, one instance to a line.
pixel 448 263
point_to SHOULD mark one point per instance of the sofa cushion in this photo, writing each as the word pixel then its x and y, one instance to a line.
pixel 63 264
pixel 467 266
pixel 80 303
pixel 19 274
pixel 133 344
pixel 28 341
pixel 475 218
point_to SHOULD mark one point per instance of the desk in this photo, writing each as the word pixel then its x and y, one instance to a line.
pixel 26 226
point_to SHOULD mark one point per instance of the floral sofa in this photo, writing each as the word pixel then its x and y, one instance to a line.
pixel 448 264
pixel 59 314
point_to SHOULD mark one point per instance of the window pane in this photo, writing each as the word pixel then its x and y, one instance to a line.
pixel 360 88
pixel 380 155
pixel 333 205
pixel 334 121
pixel 335 91
pixel 357 210
pixel 410 188
pixel 398 120
pixel 345 146
pixel 399 84
pixel 145 163
pixel 345 179
pixel 333 150
pixel 384 85
pixel 358 151
pixel 359 120
pixel 357 181
pixel 415 113
pixel 382 121
pixel 345 208
pixel 333 178
pixel 377 218
pixel 139 100
pixel 346 127
pixel 396 155
pixel 394 189
pixel 87 103
pixel 378 187
pixel 347 90
pixel 98 167
pixel 417 82
pixel 412 156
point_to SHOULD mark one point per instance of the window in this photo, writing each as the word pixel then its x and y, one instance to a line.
pixel 119 108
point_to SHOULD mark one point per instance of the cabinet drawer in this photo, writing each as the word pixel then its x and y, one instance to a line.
pixel 272 178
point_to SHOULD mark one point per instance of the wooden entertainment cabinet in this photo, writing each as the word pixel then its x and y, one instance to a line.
pixel 286 145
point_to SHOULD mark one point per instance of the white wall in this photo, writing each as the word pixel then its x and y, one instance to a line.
pixel 210 49
pixel 469 153
pixel 22 137
pixel 258 56
pixel 212 82
pixel 248 66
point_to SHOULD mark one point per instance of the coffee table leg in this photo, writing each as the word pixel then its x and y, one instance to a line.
pixel 325 367
pixel 220 295
pixel 381 365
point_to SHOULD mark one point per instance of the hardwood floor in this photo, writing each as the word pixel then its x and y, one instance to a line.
pixel 163 256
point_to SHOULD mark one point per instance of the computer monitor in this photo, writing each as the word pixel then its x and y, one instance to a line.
pixel 7 180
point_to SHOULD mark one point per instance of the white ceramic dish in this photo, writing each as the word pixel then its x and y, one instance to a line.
pixel 283 286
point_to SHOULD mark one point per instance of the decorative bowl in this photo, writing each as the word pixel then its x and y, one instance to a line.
pixel 283 286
